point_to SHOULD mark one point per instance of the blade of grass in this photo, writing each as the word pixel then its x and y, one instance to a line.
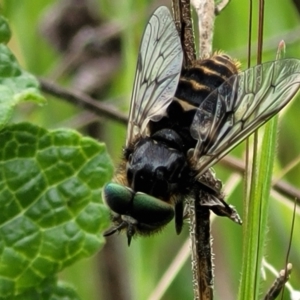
pixel 255 226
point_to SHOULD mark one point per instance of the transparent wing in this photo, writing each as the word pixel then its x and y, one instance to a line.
pixel 157 73
pixel 241 105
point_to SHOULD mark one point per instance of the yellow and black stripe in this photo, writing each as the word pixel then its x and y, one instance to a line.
pixel 203 77
pixel 195 84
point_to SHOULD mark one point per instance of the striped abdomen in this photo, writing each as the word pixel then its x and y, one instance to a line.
pixel 195 84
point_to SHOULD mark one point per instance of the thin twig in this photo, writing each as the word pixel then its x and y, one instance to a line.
pixel 82 100
pixel 279 283
pixel 280 186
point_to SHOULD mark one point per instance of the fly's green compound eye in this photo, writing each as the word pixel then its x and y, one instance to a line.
pixel 118 198
pixel 142 207
pixel 149 210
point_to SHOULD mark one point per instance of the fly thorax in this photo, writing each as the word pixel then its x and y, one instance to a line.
pixel 155 168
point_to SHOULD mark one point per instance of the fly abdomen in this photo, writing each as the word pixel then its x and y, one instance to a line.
pixel 206 75
pixel 195 84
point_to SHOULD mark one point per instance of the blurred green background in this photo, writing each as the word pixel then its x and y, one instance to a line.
pixel 98 55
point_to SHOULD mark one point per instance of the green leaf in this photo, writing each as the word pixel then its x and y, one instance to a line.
pixel 5 33
pixel 48 289
pixel 51 212
pixel 16 85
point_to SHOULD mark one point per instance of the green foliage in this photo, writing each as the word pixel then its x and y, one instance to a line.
pixel 51 212
pixel 256 213
pixel 144 263
pixel 48 289
pixel 16 85
pixel 5 32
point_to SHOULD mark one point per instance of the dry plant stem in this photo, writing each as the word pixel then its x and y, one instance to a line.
pixel 205 10
pixel 199 215
pixel 279 283
pixel 201 250
pixel 82 100
pixel 188 34
pixel 184 24
pixel 176 10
